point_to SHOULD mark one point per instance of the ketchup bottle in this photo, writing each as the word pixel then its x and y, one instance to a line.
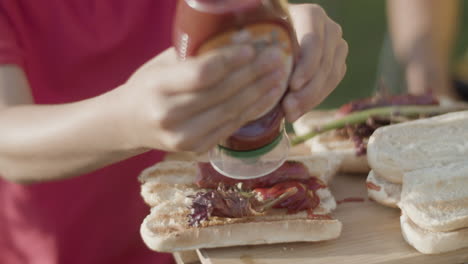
pixel 261 145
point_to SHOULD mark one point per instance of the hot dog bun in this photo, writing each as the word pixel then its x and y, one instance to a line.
pixel 436 198
pixel 425 143
pixel 166 187
pixel 428 160
pixel 429 242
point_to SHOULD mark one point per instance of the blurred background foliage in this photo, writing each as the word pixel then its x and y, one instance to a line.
pixel 370 58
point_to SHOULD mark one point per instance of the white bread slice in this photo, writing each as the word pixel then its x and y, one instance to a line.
pixel 436 198
pixel 329 143
pixel 166 187
pixel 428 242
pixel 432 142
pixel 388 193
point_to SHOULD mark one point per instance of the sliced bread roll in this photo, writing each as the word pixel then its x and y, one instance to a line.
pixel 167 188
pixel 166 229
pixel 436 198
pixel 429 242
pixel 426 143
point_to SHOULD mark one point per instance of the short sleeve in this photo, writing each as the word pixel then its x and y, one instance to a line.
pixel 10 48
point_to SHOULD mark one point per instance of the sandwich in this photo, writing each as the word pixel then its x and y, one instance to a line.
pixel 346 131
pixel 395 150
pixel 434 205
pixel 421 167
pixel 334 141
pixel 383 191
pixel 193 206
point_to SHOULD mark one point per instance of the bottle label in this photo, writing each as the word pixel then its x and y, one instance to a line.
pixel 261 36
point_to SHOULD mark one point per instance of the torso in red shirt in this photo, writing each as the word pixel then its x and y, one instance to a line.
pixel 73 50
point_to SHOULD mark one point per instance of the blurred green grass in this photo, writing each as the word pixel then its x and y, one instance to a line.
pixel 365 27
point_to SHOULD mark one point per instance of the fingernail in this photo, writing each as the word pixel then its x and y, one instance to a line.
pixel 298 83
pixel 291 103
pixel 293 107
pixel 272 57
pixel 246 52
pixel 276 55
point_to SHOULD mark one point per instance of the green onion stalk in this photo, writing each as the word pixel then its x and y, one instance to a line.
pixel 381 112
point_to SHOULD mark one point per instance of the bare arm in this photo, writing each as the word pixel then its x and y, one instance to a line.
pixel 166 104
pixel 39 142
pixel 423 33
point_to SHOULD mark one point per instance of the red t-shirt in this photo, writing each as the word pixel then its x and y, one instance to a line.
pixel 73 50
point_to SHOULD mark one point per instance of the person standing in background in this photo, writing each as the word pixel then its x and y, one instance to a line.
pixel 75 101
pixel 423 33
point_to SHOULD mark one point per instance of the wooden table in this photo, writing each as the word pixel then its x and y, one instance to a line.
pixel 371 234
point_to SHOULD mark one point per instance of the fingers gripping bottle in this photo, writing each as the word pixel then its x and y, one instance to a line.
pixel 260 146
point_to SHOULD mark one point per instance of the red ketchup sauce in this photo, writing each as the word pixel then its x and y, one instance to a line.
pixel 372 186
pixel 204 25
pixel 313 216
pixel 303 199
pixel 289 176
pixel 351 200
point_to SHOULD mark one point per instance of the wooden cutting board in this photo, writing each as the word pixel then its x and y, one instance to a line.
pixel 371 234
